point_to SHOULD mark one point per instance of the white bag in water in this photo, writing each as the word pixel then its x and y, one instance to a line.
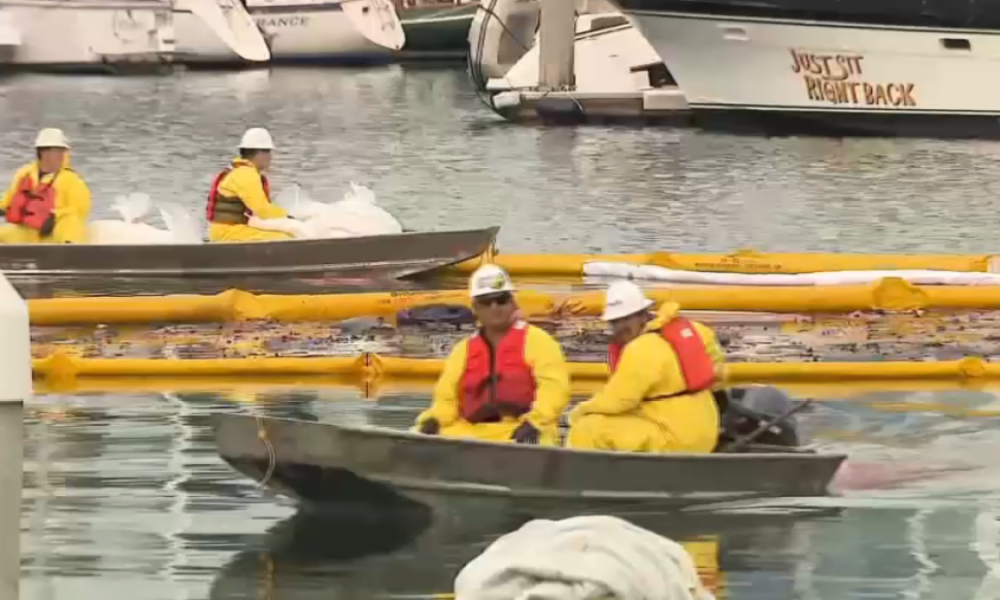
pixel 355 216
pixel 590 557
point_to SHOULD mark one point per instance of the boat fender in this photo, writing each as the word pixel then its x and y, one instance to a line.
pixel 581 558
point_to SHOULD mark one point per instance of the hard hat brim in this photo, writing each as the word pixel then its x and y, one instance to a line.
pixel 492 292
pixel 614 315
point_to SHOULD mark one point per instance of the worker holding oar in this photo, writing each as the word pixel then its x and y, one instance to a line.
pixel 243 191
pixel 508 382
pixel 659 395
pixel 47 202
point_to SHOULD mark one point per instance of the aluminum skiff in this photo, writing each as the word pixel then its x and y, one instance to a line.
pixel 327 464
pixel 404 254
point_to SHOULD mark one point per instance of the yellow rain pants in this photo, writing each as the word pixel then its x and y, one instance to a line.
pixel 72 208
pixel 618 418
pixel 545 357
pixel 704 552
pixel 244 182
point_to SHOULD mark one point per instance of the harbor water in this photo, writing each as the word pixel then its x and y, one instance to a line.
pixel 125 496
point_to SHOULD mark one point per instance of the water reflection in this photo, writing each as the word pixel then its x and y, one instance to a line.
pixel 125 495
pixel 350 557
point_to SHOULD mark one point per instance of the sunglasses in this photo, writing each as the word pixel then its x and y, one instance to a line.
pixel 499 300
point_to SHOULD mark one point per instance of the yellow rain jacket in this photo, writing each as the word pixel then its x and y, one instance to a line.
pixel 619 418
pixel 244 182
pixel 545 358
pixel 72 207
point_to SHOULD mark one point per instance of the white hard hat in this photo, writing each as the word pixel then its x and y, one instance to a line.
pixel 622 299
pixel 489 279
pixel 51 138
pixel 257 138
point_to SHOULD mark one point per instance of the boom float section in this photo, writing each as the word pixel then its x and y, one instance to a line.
pixel 61 368
pixel 741 261
pixel 891 294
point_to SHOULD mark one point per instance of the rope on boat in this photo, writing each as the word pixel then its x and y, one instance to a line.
pixel 272 461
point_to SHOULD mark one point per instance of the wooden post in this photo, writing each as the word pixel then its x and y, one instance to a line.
pixel 15 375
pixel 556 37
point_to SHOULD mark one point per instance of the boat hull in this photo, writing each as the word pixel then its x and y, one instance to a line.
pixel 328 465
pixel 90 35
pixel 403 254
pixel 434 32
pixel 786 76
pixel 301 33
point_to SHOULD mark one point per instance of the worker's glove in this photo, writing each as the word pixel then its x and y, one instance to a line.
pixel 430 427
pixel 526 433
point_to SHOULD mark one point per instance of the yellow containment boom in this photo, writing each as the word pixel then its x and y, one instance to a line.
pixel 891 294
pixel 741 261
pixel 371 367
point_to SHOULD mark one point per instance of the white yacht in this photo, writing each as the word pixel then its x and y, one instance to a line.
pixel 841 67
pixel 113 34
pixel 301 31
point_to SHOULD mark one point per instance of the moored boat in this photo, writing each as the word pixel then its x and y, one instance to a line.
pixel 401 254
pixel 845 67
pixel 303 31
pixel 329 465
pixel 85 35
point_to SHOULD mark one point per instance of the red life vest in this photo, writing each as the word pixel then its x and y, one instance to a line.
pixel 496 386
pixel 213 193
pixel 33 206
pixel 696 363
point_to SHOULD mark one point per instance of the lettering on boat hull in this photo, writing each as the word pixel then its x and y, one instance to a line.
pixel 291 21
pixel 839 79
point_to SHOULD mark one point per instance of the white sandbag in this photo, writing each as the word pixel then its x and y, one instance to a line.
pixel 581 558
pixel 300 230
pixel 655 273
pixel 181 228
pixel 134 234
pixel 181 224
pixel 131 207
pixel 355 216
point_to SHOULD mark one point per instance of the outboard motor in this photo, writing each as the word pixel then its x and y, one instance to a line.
pixel 744 410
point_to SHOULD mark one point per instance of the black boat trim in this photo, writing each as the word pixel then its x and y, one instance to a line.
pixel 769 15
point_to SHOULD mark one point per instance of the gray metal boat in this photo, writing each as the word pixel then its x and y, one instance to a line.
pixel 403 254
pixel 323 464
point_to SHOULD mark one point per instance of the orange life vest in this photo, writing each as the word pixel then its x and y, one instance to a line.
pixel 225 209
pixel 33 206
pixel 696 363
pixel 497 383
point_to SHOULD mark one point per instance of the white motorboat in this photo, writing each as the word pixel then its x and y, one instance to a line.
pixel 617 74
pixel 840 67
pixel 115 34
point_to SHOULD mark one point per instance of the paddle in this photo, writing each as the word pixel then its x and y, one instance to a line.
pixel 756 433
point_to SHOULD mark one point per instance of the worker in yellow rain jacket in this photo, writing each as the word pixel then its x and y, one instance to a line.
pixel 659 395
pixel 47 202
pixel 508 382
pixel 242 191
